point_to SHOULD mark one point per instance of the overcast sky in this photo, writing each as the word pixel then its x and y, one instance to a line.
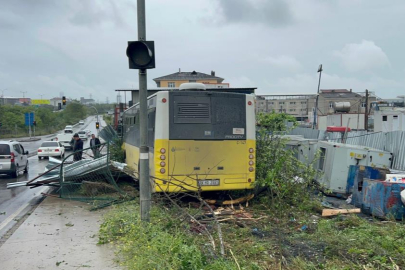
pixel 78 47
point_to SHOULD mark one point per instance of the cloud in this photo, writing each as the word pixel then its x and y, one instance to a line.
pixel 275 13
pixel 362 56
pixel 284 61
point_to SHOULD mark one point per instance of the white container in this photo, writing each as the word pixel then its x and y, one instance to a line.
pixel 336 158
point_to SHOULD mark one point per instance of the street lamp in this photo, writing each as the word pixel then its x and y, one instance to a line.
pixel 317 96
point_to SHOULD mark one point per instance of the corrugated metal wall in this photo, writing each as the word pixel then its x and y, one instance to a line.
pixel 393 142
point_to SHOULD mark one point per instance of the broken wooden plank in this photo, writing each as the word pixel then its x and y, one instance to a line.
pixel 334 212
pixel 231 202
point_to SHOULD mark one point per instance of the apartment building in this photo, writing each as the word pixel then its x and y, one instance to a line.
pixel 302 106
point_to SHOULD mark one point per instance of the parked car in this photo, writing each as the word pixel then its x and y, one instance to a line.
pixel 81 122
pixel 69 127
pixel 51 149
pixel 82 134
pixel 13 158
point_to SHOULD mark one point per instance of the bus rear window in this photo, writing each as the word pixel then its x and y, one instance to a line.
pixel 207 116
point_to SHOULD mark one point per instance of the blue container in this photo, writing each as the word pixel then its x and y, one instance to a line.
pixel 383 199
pixel 355 179
pixel 373 195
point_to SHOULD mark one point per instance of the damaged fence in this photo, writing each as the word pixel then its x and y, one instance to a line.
pixel 96 178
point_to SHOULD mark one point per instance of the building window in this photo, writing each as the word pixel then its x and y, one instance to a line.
pixel 192 81
pixel 395 117
pixel 292 102
pixel 303 110
pixel 292 110
pixel 303 102
pixel 171 84
pixel 384 118
pixel 331 104
pixel 281 102
pixel 363 104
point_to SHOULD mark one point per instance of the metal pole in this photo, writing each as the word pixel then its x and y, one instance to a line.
pixel 317 97
pixel 145 188
pixel 366 113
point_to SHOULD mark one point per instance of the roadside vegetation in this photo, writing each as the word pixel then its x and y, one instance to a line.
pixel 280 228
pixel 47 120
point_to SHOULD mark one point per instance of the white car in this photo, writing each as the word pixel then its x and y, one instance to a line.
pixel 51 149
pixel 81 122
pixel 88 132
pixel 82 134
pixel 68 131
pixel 69 127
pixel 13 158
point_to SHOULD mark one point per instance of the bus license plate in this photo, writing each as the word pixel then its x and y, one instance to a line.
pixel 214 182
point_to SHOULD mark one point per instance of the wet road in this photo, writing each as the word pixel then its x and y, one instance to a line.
pixel 33 146
pixel 16 202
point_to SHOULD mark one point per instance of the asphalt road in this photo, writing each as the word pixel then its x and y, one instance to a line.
pixel 16 202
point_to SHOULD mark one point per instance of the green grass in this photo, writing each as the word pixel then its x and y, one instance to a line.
pixel 342 242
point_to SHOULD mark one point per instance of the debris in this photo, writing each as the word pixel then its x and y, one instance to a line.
pixel 334 212
pixel 231 202
pixel 327 205
pixel 349 199
pixel 304 228
pixel 2 213
pixel 257 232
pixel 69 224
pixel 59 263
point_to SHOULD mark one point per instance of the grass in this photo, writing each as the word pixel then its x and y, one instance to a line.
pixel 277 241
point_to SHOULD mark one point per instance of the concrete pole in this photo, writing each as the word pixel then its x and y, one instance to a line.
pixel 366 113
pixel 145 187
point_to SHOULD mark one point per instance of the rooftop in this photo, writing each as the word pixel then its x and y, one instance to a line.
pixel 185 76
pixel 244 90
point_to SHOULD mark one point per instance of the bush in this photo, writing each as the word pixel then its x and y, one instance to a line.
pixel 278 171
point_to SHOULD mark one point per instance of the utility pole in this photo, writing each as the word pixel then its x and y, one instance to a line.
pixel 317 96
pixel 23 92
pixel 366 113
pixel 145 187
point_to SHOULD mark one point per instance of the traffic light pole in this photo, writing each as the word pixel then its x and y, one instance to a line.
pixel 145 187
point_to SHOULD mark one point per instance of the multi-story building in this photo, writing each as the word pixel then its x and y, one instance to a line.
pixel 303 106
pixel 176 79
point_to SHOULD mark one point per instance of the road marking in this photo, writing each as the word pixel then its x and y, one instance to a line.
pixel 11 217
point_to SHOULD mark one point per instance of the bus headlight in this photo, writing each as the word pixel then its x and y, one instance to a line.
pixel 162 150
pixel 162 170
pixel 251 163
pixel 251 169
pixel 162 157
pixel 251 156
pixel 251 150
pixel 162 164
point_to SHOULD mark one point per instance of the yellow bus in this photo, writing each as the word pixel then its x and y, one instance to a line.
pixel 198 139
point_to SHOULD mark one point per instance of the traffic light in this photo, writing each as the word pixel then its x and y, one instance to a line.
pixel 64 100
pixel 34 123
pixel 141 54
pixel 59 106
pixel 97 125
